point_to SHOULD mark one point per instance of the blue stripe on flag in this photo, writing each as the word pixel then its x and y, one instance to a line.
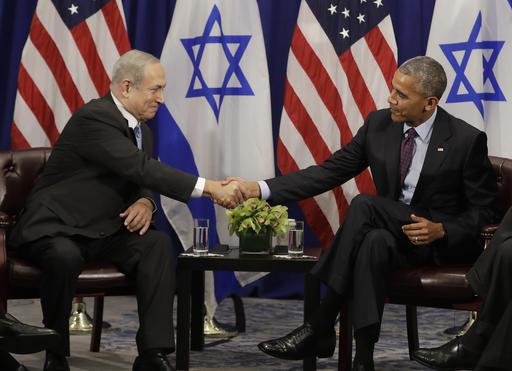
pixel 169 135
pixel 181 157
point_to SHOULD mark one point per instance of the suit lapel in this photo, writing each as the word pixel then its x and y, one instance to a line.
pixel 122 121
pixel 392 140
pixel 438 150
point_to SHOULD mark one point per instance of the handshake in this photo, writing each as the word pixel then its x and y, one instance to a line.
pixel 230 192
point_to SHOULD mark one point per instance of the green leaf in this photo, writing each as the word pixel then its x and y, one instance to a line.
pixel 258 216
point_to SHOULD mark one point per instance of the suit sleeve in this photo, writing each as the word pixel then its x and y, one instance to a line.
pixel 341 166
pixel 480 191
pixel 147 138
pixel 105 143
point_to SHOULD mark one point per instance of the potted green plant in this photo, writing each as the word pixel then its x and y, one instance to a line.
pixel 255 222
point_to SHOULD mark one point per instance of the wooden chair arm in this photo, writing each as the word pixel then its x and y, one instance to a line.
pixel 488 231
pixel 6 220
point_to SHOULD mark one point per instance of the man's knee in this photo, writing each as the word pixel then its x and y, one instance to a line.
pixel 62 257
pixel 159 243
pixel 362 200
pixel 160 239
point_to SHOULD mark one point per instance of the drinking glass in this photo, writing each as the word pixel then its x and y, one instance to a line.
pixel 200 246
pixel 296 239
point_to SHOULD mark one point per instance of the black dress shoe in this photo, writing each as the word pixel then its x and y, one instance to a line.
pixel 18 337
pixel 157 362
pixel 299 344
pixel 450 356
pixel 55 362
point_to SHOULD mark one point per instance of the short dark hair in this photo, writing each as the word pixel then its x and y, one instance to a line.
pixel 429 73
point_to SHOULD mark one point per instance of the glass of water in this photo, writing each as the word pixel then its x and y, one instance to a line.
pixel 296 239
pixel 200 246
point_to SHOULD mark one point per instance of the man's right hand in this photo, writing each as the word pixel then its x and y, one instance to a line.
pixel 249 189
pixel 228 195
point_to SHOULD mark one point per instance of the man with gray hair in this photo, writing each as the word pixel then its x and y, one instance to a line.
pixel 435 189
pixel 94 201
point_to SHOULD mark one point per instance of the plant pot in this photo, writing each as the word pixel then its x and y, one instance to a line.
pixel 252 243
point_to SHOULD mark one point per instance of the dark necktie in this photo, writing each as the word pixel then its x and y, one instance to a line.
pixel 406 154
pixel 138 135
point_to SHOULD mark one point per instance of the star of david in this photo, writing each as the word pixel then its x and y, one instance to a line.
pixel 471 95
pixel 233 47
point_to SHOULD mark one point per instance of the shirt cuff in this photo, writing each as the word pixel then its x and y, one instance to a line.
pixel 264 190
pixel 152 203
pixel 199 188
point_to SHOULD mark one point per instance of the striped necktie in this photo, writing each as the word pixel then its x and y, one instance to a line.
pixel 406 153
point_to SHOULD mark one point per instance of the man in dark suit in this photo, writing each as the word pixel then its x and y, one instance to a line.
pixel 435 188
pixel 487 342
pixel 94 201
pixel 18 337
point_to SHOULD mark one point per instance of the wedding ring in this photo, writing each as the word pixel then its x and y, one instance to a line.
pixel 416 239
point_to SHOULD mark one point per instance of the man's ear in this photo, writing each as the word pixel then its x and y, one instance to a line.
pixel 126 85
pixel 431 104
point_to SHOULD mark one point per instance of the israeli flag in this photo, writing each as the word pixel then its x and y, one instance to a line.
pixel 218 121
pixel 475 48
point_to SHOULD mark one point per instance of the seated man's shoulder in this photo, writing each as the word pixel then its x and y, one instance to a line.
pixel 97 111
pixel 459 124
pixel 380 115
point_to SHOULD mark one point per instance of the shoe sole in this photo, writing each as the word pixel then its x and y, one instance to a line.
pixel 326 354
pixel 440 368
pixel 25 344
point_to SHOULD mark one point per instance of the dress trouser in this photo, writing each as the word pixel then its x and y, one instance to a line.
pixel 366 249
pixel 497 355
pixel 491 278
pixel 7 361
pixel 148 260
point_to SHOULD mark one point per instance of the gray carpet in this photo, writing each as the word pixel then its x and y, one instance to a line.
pixel 266 318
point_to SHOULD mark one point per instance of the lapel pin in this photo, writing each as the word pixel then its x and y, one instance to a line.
pixel 440 149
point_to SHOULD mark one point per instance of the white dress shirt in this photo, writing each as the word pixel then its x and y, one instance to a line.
pixel 421 142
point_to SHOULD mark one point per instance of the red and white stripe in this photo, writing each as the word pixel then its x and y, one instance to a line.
pixel 326 100
pixel 62 69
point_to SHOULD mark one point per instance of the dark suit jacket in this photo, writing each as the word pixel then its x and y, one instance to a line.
pixel 457 185
pixel 94 173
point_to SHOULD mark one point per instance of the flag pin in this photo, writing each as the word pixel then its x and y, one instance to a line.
pixel 440 149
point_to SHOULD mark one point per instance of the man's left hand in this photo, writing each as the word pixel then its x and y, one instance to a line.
pixel 138 216
pixel 423 231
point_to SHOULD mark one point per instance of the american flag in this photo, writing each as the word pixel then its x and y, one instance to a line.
pixel 66 61
pixel 340 67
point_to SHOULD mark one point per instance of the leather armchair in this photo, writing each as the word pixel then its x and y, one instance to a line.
pixel 18 278
pixel 438 287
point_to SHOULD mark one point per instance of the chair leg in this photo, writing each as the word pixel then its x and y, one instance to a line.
pixel 345 340
pixel 3 302
pixel 97 323
pixel 412 328
pixel 239 313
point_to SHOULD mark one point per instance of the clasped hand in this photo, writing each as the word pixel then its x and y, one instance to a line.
pixel 228 195
pixel 232 191
pixel 423 231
